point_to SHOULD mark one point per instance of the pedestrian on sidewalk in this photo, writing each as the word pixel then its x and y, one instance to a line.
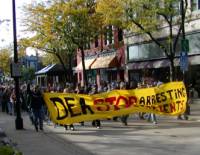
pixel 37 108
pixel 1 95
pixel 5 99
pixel 12 102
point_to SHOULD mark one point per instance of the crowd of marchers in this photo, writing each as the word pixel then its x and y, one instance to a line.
pixel 31 100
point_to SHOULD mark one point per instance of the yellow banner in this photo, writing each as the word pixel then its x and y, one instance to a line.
pixel 68 108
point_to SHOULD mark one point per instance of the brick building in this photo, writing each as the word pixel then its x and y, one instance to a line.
pixel 104 58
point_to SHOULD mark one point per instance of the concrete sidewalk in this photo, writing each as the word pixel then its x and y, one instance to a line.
pixel 31 142
pixel 49 142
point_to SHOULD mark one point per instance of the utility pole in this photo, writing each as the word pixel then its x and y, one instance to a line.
pixel 183 19
pixel 19 120
pixel 184 53
pixel 184 44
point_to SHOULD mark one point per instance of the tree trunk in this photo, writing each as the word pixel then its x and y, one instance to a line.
pixel 85 80
pixel 70 68
pixel 172 69
pixel 64 68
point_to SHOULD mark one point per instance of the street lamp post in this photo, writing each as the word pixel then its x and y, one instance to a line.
pixel 184 42
pixel 183 19
pixel 185 48
pixel 19 120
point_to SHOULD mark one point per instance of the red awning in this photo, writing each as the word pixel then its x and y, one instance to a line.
pixel 88 63
pixel 105 61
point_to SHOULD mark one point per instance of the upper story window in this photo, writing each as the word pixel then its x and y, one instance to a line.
pixel 177 7
pixel 108 36
pixel 120 35
pixel 87 45
pixel 105 38
pixel 96 41
pixel 151 51
pixel 195 5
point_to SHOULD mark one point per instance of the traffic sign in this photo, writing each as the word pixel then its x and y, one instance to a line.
pixel 185 45
pixel 15 69
pixel 184 61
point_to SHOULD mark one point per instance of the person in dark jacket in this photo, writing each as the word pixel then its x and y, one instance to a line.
pixel 37 107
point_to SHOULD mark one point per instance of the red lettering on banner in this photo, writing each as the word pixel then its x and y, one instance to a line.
pixel 105 104
pixel 110 100
pixel 132 101
pixel 118 101
pixel 172 107
pixel 161 108
pixel 182 105
pixel 98 102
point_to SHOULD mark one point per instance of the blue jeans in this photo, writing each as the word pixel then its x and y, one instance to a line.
pixel 10 108
pixel 152 117
pixel 38 117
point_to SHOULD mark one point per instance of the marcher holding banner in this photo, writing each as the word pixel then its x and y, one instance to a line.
pixel 96 123
pixel 152 116
pixel 124 118
pixel 67 89
pixel 167 99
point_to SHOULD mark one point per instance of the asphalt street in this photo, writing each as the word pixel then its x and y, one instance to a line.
pixel 169 136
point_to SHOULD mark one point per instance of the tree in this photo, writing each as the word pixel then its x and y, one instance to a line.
pixel 28 74
pixel 83 25
pixel 5 59
pixel 63 26
pixel 47 57
pixel 41 20
pixel 147 17
pixel 80 25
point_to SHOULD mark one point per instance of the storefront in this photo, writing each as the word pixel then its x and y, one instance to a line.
pixel 106 66
pixel 103 66
pixel 91 75
pixel 50 75
pixel 146 57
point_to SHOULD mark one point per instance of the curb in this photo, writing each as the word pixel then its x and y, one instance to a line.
pixel 2 133
pixel 4 140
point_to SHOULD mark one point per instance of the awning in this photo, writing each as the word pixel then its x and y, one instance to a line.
pixel 44 70
pixel 193 60
pixel 54 69
pixel 88 63
pixel 108 60
pixel 148 64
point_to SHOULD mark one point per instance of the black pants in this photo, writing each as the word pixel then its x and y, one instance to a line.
pixel 96 123
pixel 4 106
pixel 124 119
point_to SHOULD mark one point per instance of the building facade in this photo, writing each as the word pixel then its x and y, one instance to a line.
pixel 145 58
pixel 104 59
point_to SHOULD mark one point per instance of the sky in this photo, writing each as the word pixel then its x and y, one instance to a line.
pixel 6 28
pixel 6 33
